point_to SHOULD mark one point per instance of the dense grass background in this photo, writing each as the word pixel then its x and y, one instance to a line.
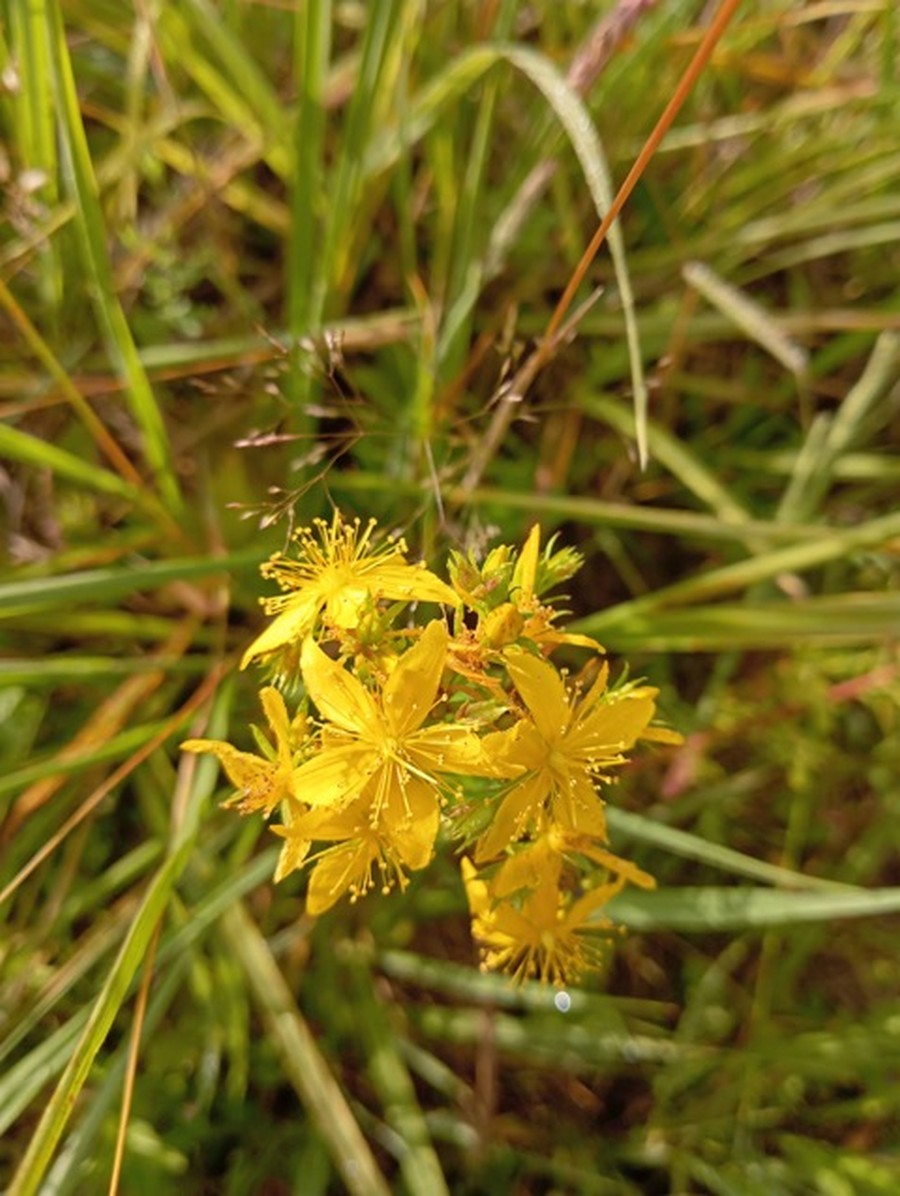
pixel 257 259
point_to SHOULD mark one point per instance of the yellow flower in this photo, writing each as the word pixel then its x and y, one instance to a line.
pixel 565 744
pixel 339 572
pixel 377 741
pixel 546 935
pixel 261 783
pixel 395 841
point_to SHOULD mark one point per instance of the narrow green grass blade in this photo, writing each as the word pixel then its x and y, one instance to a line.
pixel 748 315
pixel 33 1166
pixel 115 748
pixel 217 901
pixel 21 1083
pixel 852 618
pixel 312 48
pixel 427 108
pixel 803 484
pixel 880 372
pixel 465 70
pixel 466 268
pixel 373 85
pixel 575 119
pixel 101 436
pixel 65 668
pixel 82 1143
pixel 712 909
pixel 596 512
pixel 675 455
pixel 419 1164
pixel 831 440
pixel 99 940
pixel 106 625
pixel 30 1172
pixel 392 326
pixel 92 232
pixel 830 244
pixel 239 88
pixel 106 585
pixel 301 1059
pixel 732 578
pixel 20 446
pixel 692 847
pixel 35 126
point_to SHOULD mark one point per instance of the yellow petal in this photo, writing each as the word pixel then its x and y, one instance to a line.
pixel 550 635
pixel 588 700
pixel 261 783
pixel 409 829
pixel 516 750
pixel 333 777
pixel 293 854
pixel 622 868
pixel 575 802
pixel 477 891
pixel 342 868
pixel 410 691
pixel 585 909
pixel 444 748
pixel 409 583
pixel 525 572
pixel 519 749
pixel 612 726
pixel 662 735
pixel 528 868
pixel 518 811
pixel 291 626
pixel 345 605
pixel 501 626
pixel 541 689
pixel 277 717
pixel 204 745
pixel 584 816
pixel 339 695
pixel 331 823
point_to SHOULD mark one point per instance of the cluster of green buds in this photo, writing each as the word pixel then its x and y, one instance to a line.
pixel 429 706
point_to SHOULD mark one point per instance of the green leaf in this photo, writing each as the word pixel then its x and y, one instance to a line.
pixel 712 909
pixel 92 231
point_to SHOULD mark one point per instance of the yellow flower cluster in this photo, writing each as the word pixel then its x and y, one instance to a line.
pixel 459 722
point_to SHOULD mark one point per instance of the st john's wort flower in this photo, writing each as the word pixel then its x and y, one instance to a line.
pixel 262 782
pixel 565 743
pixel 366 847
pixel 337 573
pixel 547 935
pixel 379 741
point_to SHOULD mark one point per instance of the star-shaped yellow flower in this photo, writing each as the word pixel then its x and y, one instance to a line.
pixel 565 744
pixel 339 570
pixel 546 936
pixel 261 782
pixel 395 842
pixel 378 741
